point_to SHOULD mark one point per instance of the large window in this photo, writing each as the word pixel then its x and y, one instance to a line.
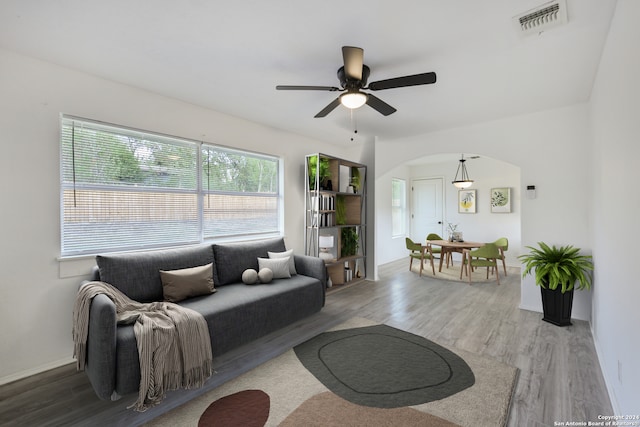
pixel 123 189
pixel 398 207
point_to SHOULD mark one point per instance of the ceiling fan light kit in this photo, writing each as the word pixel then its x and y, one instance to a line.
pixel 353 77
pixel 353 100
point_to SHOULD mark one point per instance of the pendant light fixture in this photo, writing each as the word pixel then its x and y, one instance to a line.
pixel 464 181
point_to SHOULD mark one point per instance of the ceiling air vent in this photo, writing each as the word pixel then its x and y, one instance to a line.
pixel 541 18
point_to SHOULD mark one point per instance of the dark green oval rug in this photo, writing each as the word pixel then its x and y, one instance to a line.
pixel 384 367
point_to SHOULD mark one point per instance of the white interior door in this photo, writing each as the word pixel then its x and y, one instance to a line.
pixel 427 213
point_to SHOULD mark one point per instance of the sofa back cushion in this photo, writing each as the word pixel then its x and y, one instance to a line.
pixel 137 274
pixel 232 259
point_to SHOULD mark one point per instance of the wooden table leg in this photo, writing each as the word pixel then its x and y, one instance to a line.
pixel 443 254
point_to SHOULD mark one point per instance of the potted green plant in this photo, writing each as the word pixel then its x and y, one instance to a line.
pixel 341 210
pixel 323 170
pixel 558 271
pixel 349 241
pixel 355 178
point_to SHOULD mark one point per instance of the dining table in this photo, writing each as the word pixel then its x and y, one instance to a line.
pixel 449 247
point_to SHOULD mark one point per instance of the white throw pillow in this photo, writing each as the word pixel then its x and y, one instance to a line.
pixel 279 266
pixel 289 253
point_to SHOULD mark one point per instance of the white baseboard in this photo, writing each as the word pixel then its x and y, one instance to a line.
pixel 40 369
pixel 529 308
pixel 607 381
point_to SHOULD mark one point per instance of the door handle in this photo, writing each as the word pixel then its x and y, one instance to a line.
pixel 439 222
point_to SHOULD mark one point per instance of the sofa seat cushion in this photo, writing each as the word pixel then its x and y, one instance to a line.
pixel 236 315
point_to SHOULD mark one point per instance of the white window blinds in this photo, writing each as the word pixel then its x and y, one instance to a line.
pixel 240 193
pixel 123 189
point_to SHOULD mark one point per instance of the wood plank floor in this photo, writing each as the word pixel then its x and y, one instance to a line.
pixel 560 378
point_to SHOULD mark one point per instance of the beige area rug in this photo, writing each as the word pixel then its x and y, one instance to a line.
pixel 282 392
pixel 453 272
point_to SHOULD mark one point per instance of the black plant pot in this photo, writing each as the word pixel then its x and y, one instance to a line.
pixel 557 306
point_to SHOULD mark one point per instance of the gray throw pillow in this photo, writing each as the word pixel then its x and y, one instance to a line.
pixel 289 253
pixel 279 266
pixel 178 285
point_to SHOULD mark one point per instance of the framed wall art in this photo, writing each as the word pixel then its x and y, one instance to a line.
pixel 467 201
pixel 501 200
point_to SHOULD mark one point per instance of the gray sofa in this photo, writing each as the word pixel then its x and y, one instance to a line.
pixel 236 313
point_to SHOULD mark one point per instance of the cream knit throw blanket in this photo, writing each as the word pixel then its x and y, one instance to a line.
pixel 173 342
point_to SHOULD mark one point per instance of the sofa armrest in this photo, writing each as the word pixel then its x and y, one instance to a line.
pixel 101 346
pixel 312 267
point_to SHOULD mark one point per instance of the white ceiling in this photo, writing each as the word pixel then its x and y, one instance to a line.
pixel 228 55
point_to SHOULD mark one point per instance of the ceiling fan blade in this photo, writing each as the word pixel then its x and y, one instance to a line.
pixel 329 108
pixel 326 88
pixel 379 105
pixel 414 80
pixel 353 61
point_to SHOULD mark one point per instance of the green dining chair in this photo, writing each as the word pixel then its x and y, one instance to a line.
pixel 421 253
pixel 485 256
pixel 503 245
pixel 438 251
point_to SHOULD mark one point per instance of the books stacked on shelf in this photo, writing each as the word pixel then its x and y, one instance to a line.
pixel 325 207
pixel 348 274
pixel 326 219
pixel 323 203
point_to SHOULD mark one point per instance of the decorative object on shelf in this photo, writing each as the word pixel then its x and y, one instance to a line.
pixel 557 270
pixel 467 201
pixel 348 274
pixel 325 242
pixel 501 200
pixel 464 181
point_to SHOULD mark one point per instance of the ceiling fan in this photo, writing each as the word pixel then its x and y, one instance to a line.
pixel 353 79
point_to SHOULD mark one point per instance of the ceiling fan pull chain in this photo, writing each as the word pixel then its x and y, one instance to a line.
pixel 354 123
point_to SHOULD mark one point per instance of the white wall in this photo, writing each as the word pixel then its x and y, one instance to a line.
pixel 389 248
pixel 615 118
pixel 36 291
pixel 551 150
